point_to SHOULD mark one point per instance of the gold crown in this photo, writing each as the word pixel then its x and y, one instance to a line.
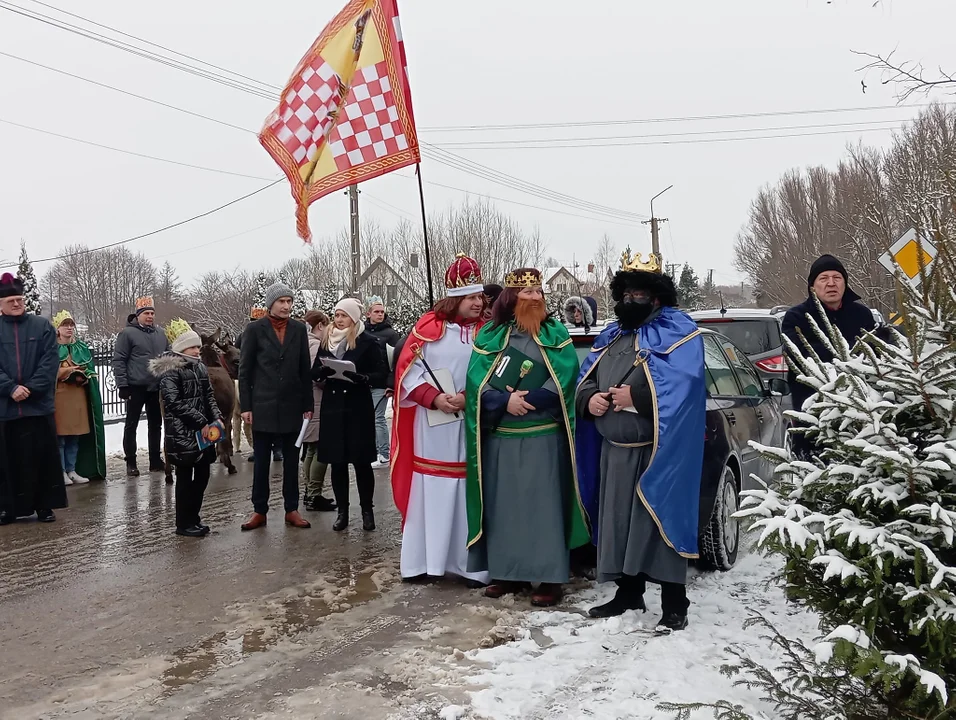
pixel 635 263
pixel 144 302
pixel 525 280
pixel 61 317
pixel 257 313
pixel 176 328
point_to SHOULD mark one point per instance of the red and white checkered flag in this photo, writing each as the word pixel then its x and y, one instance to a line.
pixel 346 114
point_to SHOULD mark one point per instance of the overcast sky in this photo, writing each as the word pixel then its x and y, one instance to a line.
pixel 477 63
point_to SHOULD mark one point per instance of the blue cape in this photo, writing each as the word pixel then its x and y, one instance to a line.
pixel 670 487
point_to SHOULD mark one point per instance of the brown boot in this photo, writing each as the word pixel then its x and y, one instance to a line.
pixel 547 595
pixel 499 588
pixel 295 520
pixel 257 520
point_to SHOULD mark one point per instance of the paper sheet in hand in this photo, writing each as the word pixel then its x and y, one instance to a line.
pixel 340 366
pixel 447 382
pixel 301 438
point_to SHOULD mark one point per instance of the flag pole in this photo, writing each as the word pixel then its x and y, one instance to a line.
pixel 428 255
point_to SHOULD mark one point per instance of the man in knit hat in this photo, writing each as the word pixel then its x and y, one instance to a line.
pixel 379 326
pixel 137 344
pixel 31 478
pixel 844 309
pixel 275 396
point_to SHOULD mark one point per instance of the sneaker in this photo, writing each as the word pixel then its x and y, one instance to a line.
pixel 377 464
pixel 78 479
pixel 67 480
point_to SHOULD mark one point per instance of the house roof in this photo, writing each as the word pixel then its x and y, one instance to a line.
pixel 380 263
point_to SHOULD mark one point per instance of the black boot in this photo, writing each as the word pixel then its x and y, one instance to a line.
pixel 672 621
pixel 368 520
pixel 624 599
pixel 342 520
pixel 192 531
pixel 7 517
pixel 132 470
pixel 46 516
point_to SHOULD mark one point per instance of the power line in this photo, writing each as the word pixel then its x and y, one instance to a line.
pixel 153 232
pixel 130 152
pixel 216 242
pixel 155 45
pixel 686 118
pixel 126 92
pixel 683 142
pixel 690 133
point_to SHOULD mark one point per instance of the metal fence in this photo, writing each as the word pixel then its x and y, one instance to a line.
pixel 114 409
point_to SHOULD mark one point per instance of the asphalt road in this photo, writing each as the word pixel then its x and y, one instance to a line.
pixel 108 614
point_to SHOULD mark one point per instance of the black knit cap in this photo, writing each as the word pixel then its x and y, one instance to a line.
pixel 656 284
pixel 825 263
pixel 10 286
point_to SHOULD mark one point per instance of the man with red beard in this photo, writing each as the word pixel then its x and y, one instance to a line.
pixel 428 440
pixel 524 512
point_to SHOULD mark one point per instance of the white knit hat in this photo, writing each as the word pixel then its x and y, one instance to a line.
pixel 189 339
pixel 351 307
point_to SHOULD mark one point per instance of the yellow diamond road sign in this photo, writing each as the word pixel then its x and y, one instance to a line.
pixel 906 253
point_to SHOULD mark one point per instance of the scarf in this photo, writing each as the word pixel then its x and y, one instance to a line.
pixel 279 325
pixel 337 338
pixel 79 354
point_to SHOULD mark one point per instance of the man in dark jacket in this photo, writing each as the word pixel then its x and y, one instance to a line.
pixel 31 478
pixel 138 344
pixel 255 314
pixel 380 328
pixel 845 311
pixel 275 396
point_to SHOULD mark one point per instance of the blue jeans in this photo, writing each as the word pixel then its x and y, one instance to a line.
pixel 69 450
pixel 381 427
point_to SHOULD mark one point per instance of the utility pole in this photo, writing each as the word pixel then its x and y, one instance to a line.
pixel 710 278
pixel 671 269
pixel 356 240
pixel 655 223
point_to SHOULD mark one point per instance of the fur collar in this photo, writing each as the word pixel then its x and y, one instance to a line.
pixel 168 362
pixel 578 303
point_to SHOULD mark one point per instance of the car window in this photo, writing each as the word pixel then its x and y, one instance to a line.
pixel 718 374
pixel 754 337
pixel 746 375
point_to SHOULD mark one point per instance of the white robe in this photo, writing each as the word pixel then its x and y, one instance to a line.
pixel 434 541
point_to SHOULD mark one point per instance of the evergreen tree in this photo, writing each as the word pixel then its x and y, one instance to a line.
pixel 867 525
pixel 31 290
pixel 299 305
pixel 688 290
pixel 259 300
pixel 328 298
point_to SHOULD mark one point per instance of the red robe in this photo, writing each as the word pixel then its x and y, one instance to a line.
pixel 428 329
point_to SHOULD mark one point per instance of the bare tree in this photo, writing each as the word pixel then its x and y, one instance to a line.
pixel 222 299
pixel 910 76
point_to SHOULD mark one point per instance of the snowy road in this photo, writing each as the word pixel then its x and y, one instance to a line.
pixel 107 614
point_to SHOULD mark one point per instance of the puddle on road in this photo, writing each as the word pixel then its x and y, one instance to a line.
pixel 338 591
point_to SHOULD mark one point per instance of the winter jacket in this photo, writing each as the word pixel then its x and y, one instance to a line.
pixel 386 335
pixel 29 356
pixel 135 347
pixel 274 380
pixel 587 313
pixel 853 319
pixel 312 432
pixel 348 415
pixel 189 404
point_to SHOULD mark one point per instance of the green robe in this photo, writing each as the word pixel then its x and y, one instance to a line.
pixel 562 361
pixel 91 460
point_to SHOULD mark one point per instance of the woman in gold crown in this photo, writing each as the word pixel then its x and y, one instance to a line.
pixel 79 409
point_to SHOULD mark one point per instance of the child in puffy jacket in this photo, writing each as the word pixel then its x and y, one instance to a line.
pixel 189 407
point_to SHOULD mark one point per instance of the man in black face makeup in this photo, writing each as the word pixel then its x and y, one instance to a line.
pixel 641 404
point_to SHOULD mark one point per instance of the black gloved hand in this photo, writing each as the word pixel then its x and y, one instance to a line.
pixel 356 377
pixel 124 393
pixel 323 373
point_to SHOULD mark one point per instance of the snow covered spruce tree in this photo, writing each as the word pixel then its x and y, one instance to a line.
pixel 31 290
pixel 261 285
pixel 867 525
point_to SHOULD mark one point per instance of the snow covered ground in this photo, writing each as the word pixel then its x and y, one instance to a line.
pixel 563 664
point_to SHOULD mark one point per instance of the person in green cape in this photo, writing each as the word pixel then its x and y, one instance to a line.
pixel 524 509
pixel 79 409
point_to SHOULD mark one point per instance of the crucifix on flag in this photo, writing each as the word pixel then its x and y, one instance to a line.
pixel 345 115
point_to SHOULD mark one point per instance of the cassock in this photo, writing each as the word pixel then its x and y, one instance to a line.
pixel 428 471
pixel 524 510
pixel 640 471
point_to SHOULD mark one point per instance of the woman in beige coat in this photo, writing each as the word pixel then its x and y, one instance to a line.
pixel 315 471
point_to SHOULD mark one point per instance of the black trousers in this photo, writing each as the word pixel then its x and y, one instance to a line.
pixel 364 478
pixel 262 445
pixel 673 595
pixel 140 397
pixel 191 482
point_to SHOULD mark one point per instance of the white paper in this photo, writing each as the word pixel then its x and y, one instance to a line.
pixel 340 366
pixel 299 440
pixel 447 383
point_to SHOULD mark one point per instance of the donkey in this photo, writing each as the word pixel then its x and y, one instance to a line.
pixel 223 389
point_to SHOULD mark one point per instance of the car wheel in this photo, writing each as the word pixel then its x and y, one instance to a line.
pixel 721 539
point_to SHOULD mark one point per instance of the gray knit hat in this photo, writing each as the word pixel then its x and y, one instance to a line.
pixel 276 291
pixel 189 339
